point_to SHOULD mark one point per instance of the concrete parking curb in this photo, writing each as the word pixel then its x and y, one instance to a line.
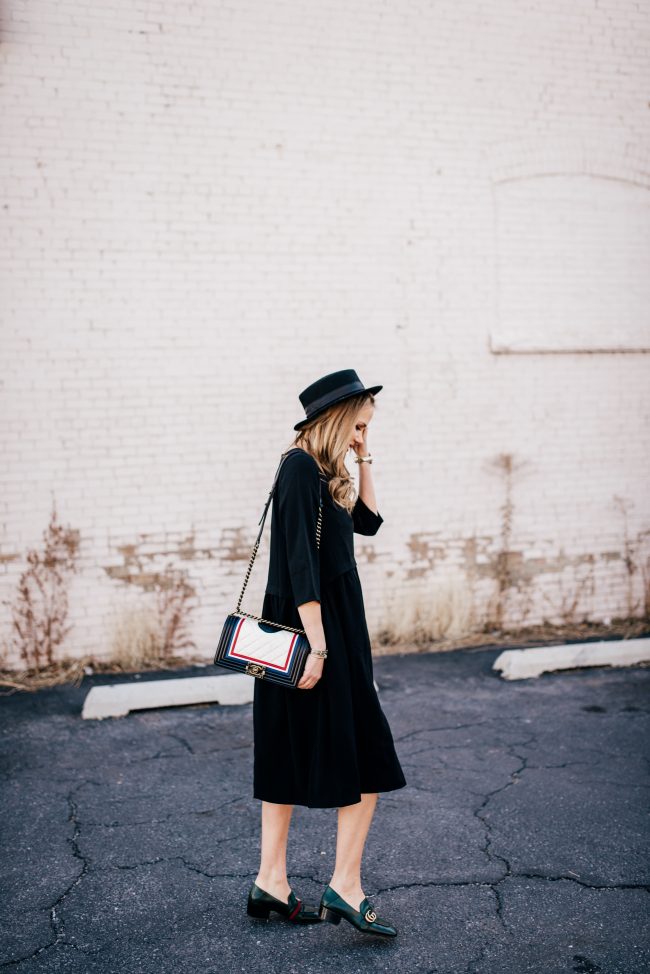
pixel 520 664
pixel 119 699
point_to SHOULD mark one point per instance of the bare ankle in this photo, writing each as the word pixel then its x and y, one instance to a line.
pixel 345 882
pixel 278 872
pixel 347 886
pixel 274 879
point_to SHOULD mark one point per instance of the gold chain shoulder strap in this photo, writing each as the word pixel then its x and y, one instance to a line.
pixel 239 610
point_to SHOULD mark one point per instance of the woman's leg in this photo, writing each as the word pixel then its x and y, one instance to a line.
pixel 353 825
pixel 272 875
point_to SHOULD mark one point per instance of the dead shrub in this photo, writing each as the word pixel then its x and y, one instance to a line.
pixel 155 633
pixel 40 610
pixel 421 611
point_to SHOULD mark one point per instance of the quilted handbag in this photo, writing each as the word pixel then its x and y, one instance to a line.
pixel 258 647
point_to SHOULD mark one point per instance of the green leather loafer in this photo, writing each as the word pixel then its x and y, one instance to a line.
pixel 333 908
pixel 260 904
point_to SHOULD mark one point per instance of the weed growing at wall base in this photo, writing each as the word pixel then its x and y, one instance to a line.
pixel 40 609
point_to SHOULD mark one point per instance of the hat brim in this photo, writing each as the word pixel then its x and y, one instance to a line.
pixel 304 422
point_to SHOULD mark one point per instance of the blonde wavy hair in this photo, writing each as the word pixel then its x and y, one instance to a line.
pixel 327 439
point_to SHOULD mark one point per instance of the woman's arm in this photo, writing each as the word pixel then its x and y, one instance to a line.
pixel 310 613
pixel 312 620
pixel 298 497
pixel 367 486
pixel 365 516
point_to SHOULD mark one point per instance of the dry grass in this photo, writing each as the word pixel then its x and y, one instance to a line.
pixel 139 642
pixel 136 639
pixel 542 635
pixel 419 617
pixel 422 611
pixel 72 671
pixel 423 617
pixel 146 636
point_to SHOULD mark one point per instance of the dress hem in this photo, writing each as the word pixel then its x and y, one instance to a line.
pixel 341 804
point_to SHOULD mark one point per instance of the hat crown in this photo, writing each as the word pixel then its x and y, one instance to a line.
pixel 329 389
pixel 343 382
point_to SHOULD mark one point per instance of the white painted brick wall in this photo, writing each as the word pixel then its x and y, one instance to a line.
pixel 206 206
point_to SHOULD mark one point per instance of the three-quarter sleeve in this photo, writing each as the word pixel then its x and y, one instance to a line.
pixel 298 498
pixel 365 521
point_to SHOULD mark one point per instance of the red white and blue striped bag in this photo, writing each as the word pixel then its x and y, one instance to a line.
pixel 258 647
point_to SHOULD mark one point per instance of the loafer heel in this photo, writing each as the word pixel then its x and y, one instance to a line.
pixel 260 904
pixel 328 915
pixel 258 910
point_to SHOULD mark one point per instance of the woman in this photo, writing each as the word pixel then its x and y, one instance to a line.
pixel 326 743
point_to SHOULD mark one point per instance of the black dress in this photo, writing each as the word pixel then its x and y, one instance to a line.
pixel 326 746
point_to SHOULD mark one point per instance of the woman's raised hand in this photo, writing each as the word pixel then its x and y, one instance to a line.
pixel 360 442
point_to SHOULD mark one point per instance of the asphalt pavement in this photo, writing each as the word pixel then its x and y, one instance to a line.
pixel 520 843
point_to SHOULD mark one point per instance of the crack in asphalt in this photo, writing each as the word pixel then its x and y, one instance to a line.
pixel 165 755
pixel 58 926
pixel 56 922
pixel 461 883
pixel 429 730
pixel 514 749
pixel 177 737
pixel 479 813
pixel 116 824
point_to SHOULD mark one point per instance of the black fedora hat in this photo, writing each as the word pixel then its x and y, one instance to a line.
pixel 329 389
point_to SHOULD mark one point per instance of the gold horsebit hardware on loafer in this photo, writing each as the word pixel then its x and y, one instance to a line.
pixel 370 916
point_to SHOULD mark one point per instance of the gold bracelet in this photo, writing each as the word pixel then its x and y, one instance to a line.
pixel 367 459
pixel 322 653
